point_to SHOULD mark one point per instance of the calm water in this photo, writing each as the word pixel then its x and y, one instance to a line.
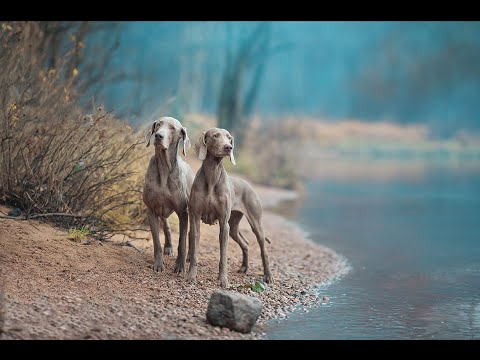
pixel 414 248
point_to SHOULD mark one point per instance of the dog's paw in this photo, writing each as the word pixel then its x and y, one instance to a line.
pixel 168 251
pixel 224 282
pixel 158 266
pixel 192 274
pixel 179 267
pixel 243 270
pixel 268 278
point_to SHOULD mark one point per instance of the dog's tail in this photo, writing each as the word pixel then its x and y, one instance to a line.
pixel 268 240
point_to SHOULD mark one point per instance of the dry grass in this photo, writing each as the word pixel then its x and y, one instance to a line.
pixel 330 132
pixel 282 152
pixel 78 234
pixel 268 158
pixel 382 137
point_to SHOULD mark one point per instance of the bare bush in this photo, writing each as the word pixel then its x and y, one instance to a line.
pixel 270 159
pixel 55 158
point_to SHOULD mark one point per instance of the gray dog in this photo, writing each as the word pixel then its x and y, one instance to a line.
pixel 167 188
pixel 217 197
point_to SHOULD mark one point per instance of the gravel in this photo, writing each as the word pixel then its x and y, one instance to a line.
pixel 54 288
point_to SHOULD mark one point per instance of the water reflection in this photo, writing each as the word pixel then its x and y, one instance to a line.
pixel 412 241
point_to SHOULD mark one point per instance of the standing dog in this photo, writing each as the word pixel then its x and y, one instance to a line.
pixel 215 196
pixel 167 188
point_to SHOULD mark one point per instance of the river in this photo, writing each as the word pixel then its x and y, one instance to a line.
pixel 413 243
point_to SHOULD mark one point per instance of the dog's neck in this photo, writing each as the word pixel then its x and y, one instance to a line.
pixel 166 162
pixel 212 171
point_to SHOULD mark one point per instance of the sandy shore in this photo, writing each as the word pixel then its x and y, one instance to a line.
pixel 53 287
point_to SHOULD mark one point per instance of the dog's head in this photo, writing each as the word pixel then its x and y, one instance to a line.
pixel 216 142
pixel 168 131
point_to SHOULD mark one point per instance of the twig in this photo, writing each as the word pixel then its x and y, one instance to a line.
pixel 55 214
pixel 39 216
pixel 106 233
pixel 128 243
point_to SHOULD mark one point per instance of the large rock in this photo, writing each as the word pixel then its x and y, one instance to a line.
pixel 233 310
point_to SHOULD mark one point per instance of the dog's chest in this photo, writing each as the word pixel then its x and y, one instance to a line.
pixel 210 216
pixel 213 207
pixel 162 200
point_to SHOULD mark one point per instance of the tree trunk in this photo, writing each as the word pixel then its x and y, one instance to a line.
pixel 235 105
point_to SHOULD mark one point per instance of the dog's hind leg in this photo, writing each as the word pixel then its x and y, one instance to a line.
pixel 168 249
pixel 234 222
pixel 257 228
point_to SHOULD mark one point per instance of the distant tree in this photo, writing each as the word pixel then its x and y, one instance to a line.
pixel 433 78
pixel 82 51
pixel 246 62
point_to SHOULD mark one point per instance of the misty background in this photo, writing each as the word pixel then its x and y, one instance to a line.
pixel 407 72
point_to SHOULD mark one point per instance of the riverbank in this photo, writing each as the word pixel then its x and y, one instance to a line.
pixel 56 288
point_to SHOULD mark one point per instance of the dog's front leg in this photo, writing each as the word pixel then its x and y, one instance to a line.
pixel 157 247
pixel 223 266
pixel 193 240
pixel 182 242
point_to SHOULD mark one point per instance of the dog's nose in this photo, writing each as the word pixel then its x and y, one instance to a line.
pixel 228 147
pixel 159 136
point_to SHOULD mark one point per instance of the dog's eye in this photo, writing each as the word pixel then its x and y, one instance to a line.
pixel 215 135
pixel 172 128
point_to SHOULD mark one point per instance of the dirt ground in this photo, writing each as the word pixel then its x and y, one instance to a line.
pixel 52 287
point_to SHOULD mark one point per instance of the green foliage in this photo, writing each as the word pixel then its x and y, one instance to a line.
pixel 78 233
pixel 258 286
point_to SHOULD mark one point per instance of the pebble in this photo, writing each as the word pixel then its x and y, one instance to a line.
pixel 182 314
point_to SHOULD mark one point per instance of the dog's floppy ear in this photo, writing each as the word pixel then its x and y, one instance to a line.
pixel 150 133
pixel 186 141
pixel 201 146
pixel 232 158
